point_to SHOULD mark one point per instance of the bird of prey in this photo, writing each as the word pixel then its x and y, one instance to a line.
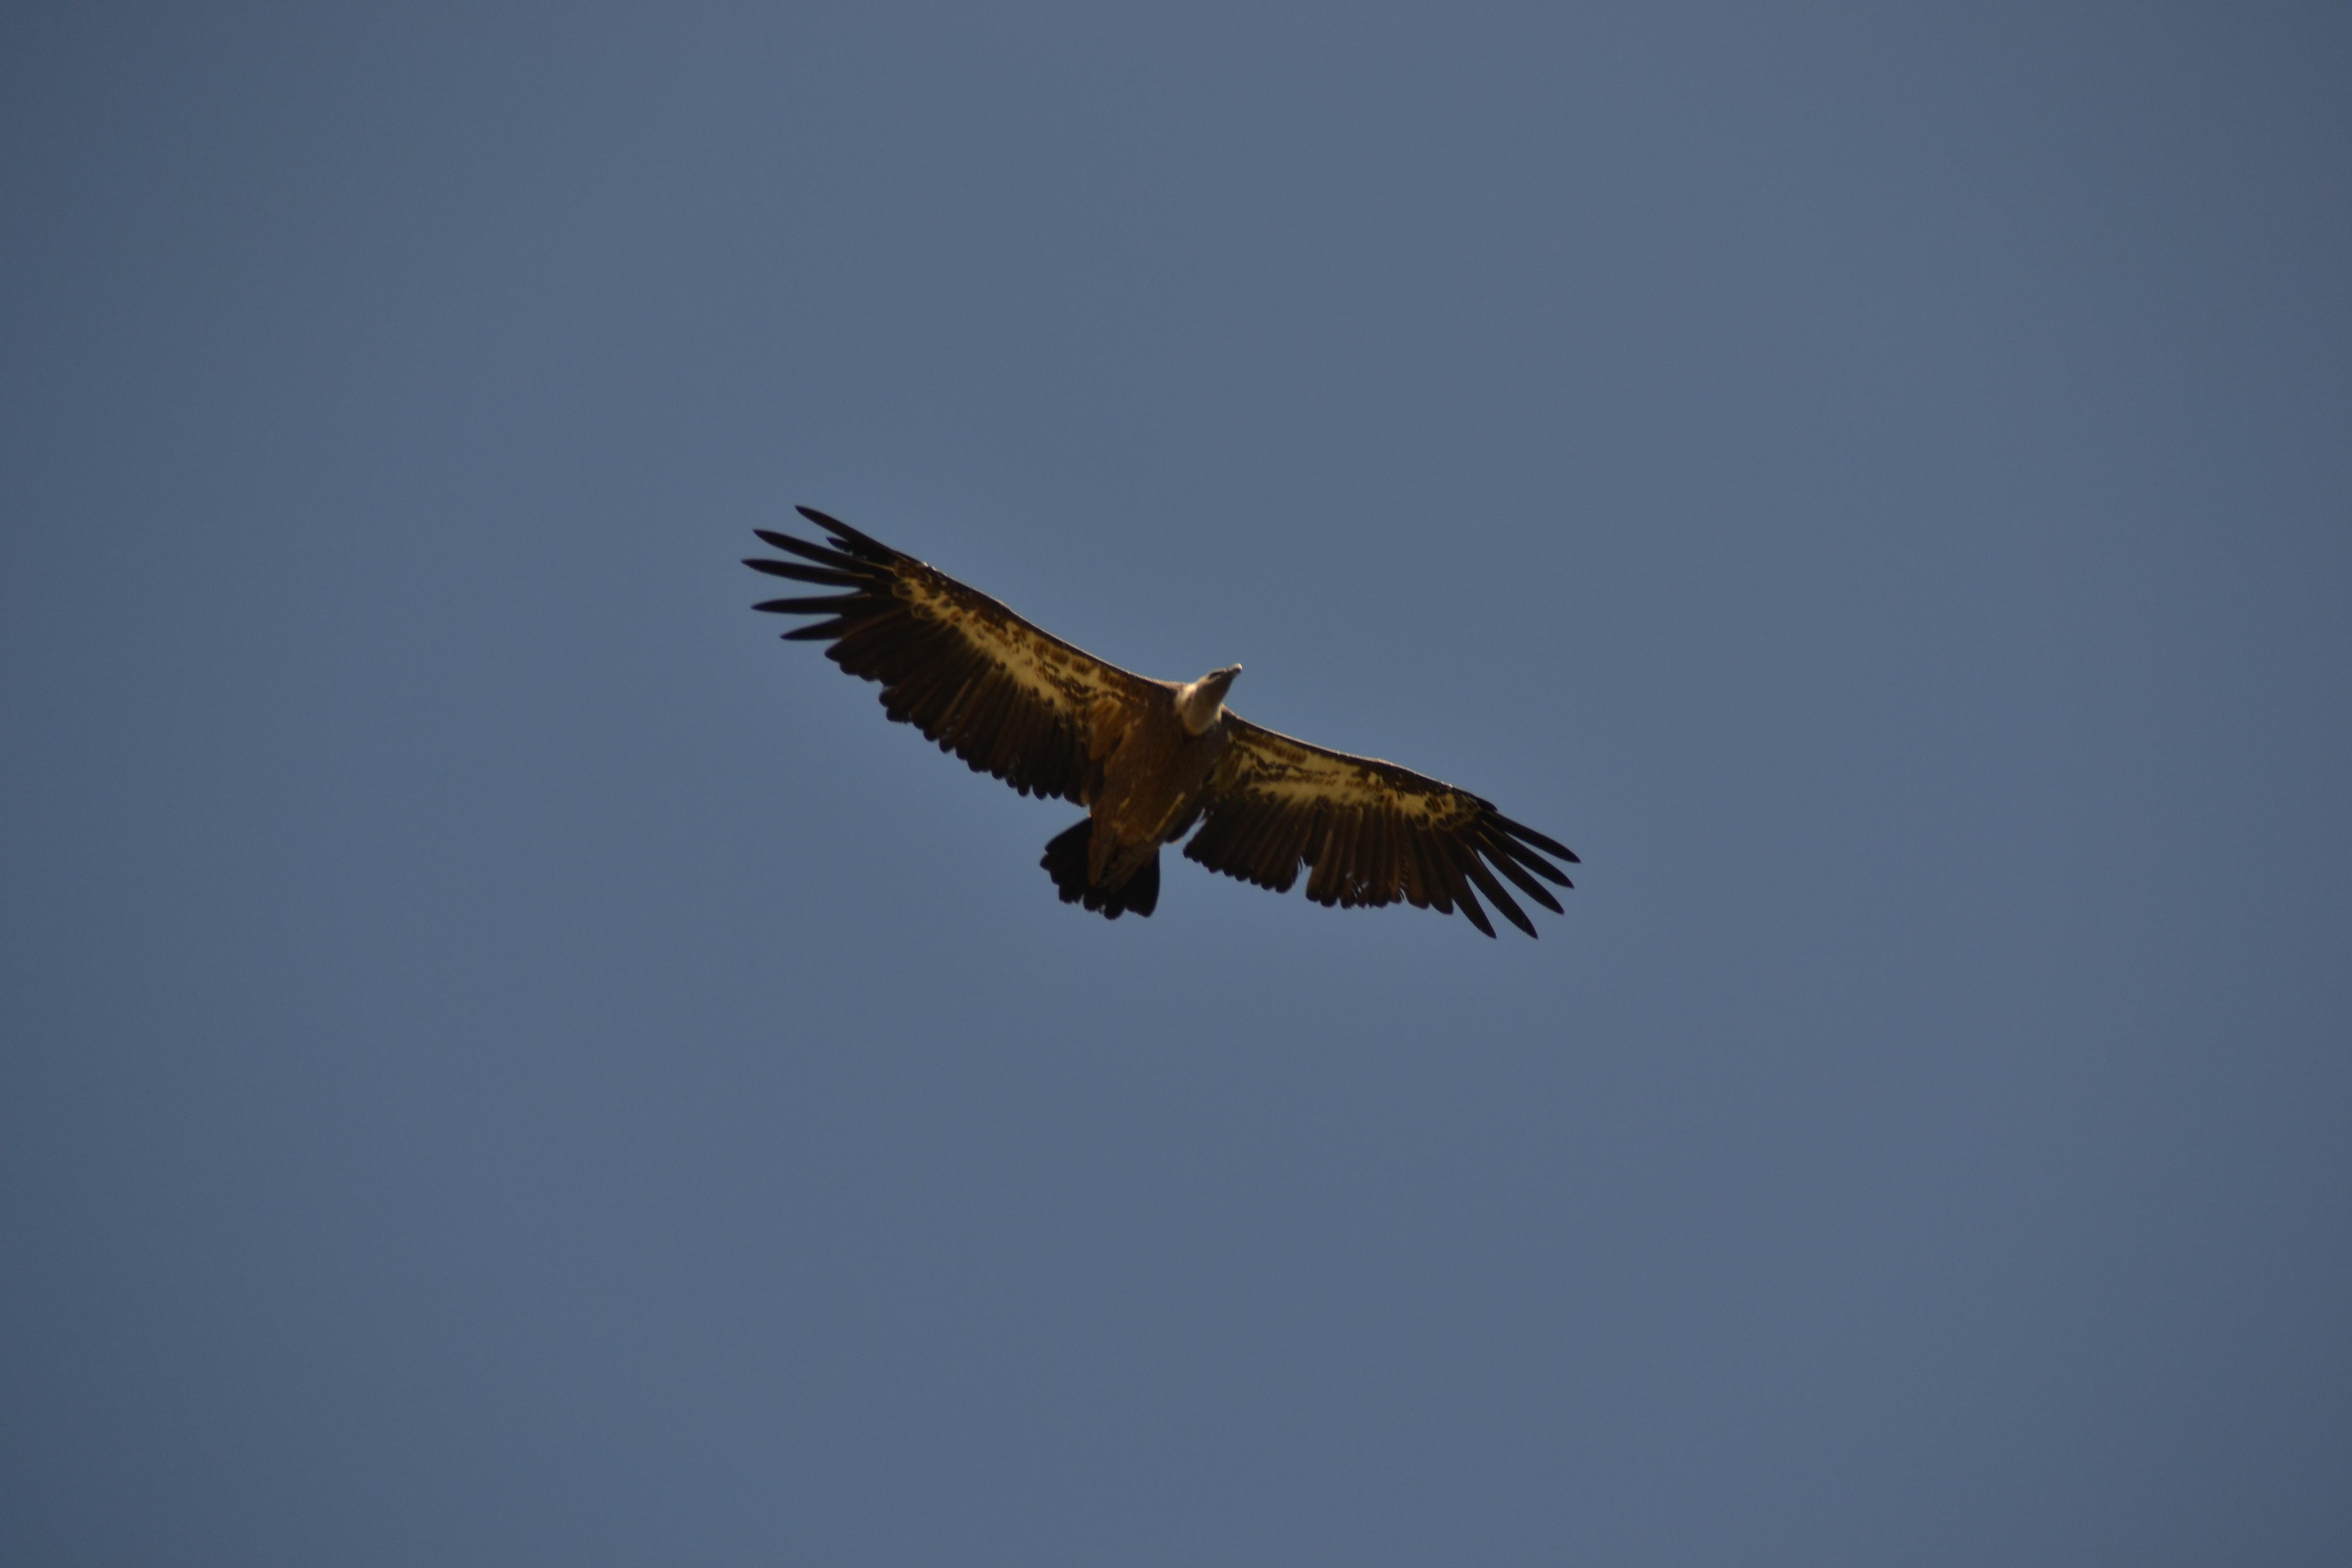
pixel 1149 759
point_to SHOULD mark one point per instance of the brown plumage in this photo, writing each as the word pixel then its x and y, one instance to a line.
pixel 1149 759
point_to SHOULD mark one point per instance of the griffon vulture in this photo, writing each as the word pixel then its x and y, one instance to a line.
pixel 1149 759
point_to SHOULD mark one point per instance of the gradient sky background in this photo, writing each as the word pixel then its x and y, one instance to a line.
pixel 507 1063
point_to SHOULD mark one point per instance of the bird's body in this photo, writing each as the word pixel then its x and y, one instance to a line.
pixel 1156 758
pixel 1149 759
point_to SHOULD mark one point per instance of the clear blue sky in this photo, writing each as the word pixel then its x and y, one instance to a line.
pixel 506 1062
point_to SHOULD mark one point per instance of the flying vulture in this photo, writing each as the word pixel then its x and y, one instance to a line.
pixel 1149 759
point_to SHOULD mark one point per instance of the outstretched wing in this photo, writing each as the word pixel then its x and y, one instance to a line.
pixel 1373 832
pixel 968 673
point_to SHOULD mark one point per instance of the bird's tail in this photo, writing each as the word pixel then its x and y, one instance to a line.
pixel 1066 862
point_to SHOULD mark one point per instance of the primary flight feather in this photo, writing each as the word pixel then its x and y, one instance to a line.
pixel 1149 759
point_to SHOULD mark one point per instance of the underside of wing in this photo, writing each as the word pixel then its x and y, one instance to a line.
pixel 965 670
pixel 1371 832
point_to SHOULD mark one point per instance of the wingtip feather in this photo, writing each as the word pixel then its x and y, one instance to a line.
pixel 1520 830
pixel 1467 902
pixel 864 543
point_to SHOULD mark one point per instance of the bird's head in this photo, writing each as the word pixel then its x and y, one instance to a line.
pixel 1197 702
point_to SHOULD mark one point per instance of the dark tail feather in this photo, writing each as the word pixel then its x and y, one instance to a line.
pixel 1066 862
pixel 1140 892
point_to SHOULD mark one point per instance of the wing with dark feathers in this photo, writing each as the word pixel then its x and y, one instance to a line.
pixel 968 673
pixel 1372 832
